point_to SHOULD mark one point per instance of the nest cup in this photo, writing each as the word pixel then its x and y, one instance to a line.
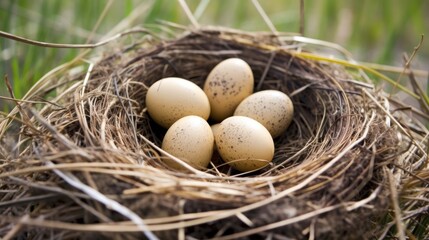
pixel 329 179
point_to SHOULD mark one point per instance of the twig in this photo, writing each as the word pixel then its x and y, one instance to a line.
pixel 364 201
pixel 15 229
pixel 60 137
pixel 32 199
pixel 24 115
pixel 96 195
pixel 397 209
pixel 280 223
pixel 65 45
pixel 267 67
pixel 407 64
pixel 189 14
pixel 301 17
pixel 357 66
pixel 129 117
pixel 49 188
pixel 393 69
pixel 201 8
pixel 265 17
pixel 99 20
pixel 42 101
pixel 424 101
pixel 392 118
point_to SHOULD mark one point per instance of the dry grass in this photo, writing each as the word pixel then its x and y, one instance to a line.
pixel 87 163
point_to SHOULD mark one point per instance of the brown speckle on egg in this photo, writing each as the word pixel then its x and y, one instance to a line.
pixel 271 108
pixel 227 85
pixel 191 140
pixel 244 143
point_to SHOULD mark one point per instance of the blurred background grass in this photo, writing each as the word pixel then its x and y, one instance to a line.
pixel 374 31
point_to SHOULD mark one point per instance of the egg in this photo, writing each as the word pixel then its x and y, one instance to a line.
pixel 170 99
pixel 244 143
pixel 191 140
pixel 272 108
pixel 227 85
pixel 215 128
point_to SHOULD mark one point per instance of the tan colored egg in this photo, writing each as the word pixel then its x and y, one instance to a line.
pixel 244 143
pixel 191 140
pixel 170 99
pixel 216 159
pixel 215 128
pixel 271 108
pixel 227 85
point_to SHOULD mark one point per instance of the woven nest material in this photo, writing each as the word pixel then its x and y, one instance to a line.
pixel 88 162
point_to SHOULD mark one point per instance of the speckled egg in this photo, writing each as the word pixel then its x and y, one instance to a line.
pixel 271 108
pixel 227 85
pixel 244 143
pixel 170 99
pixel 191 140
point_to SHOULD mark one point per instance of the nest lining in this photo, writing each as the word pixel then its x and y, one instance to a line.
pixel 331 167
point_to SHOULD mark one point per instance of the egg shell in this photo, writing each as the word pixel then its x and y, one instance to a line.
pixel 227 85
pixel 191 140
pixel 244 143
pixel 215 128
pixel 271 108
pixel 170 99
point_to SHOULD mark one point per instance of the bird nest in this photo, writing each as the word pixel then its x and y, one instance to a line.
pixel 87 160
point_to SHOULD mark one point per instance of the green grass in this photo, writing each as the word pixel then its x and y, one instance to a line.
pixel 376 31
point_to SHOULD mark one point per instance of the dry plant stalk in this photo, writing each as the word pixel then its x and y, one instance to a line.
pixel 88 162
